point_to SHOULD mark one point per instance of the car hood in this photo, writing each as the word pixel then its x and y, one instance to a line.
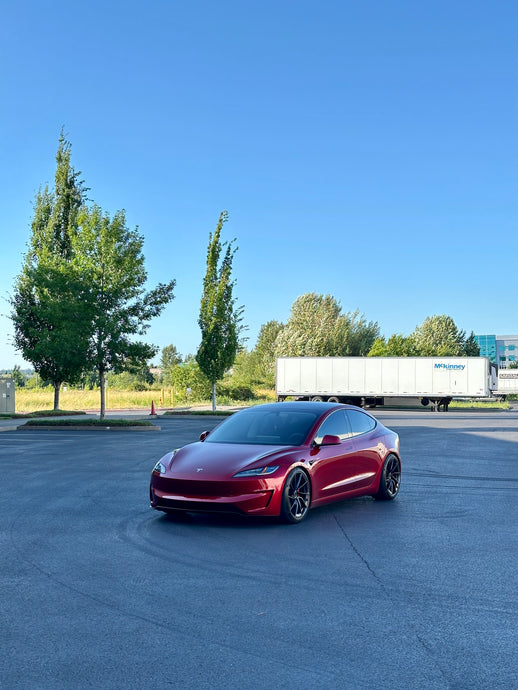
pixel 216 461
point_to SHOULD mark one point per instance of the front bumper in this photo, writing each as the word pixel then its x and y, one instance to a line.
pixel 236 496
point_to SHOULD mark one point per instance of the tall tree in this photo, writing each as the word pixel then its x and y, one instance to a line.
pixel 471 347
pixel 264 352
pixel 46 307
pixel 171 358
pixel 438 336
pixel 109 258
pixel 318 328
pixel 220 319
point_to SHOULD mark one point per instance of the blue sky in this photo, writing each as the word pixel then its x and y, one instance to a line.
pixel 366 150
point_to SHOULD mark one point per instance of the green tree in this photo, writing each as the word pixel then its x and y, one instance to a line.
pixel 438 336
pixel 471 347
pixel 18 376
pixel 191 384
pixel 50 324
pixel 397 345
pixel 170 360
pixel 140 379
pixel 109 258
pixel 264 353
pixel 359 335
pixel 220 319
pixel 318 328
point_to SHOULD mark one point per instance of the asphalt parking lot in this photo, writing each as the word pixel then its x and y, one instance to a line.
pixel 99 591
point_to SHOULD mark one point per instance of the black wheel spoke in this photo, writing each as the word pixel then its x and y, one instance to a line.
pixel 298 493
pixel 390 479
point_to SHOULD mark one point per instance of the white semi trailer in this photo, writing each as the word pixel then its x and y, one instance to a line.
pixel 371 381
pixel 507 383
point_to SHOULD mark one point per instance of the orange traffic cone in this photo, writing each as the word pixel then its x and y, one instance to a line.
pixel 153 413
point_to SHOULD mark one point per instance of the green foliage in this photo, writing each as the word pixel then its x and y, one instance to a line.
pixel 109 258
pixel 50 324
pixel 396 346
pixel 257 368
pixel 439 336
pixel 80 301
pixel 219 319
pixel 471 347
pixel 234 392
pixel 140 380
pixel 264 353
pixel 56 212
pixel 318 328
pixel 188 375
pixel 35 381
pixel 171 358
pixel 18 376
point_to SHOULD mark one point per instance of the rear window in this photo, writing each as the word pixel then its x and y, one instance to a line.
pixel 360 422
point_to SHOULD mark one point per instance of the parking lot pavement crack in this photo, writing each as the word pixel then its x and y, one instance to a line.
pixel 361 557
pixel 393 596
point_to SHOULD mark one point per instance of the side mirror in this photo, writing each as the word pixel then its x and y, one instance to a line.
pixel 330 440
pixel 204 435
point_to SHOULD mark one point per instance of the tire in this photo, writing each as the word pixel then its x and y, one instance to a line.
pixel 296 496
pixel 390 479
pixel 334 399
pixel 316 398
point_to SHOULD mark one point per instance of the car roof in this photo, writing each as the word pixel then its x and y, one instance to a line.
pixel 319 407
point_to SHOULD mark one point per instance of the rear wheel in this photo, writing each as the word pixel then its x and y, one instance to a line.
pixel 296 496
pixel 317 398
pixel 390 479
pixel 334 399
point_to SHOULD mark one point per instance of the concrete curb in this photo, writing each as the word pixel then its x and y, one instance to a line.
pixel 85 427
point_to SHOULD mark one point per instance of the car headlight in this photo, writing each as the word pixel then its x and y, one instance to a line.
pixel 258 471
pixel 162 464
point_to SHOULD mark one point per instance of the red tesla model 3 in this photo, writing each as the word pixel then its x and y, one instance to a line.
pixel 280 459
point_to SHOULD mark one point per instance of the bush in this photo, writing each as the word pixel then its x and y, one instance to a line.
pixel 234 392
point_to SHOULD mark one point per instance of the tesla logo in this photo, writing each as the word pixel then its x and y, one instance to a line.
pixel 199 469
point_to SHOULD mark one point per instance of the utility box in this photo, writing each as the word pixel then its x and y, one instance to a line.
pixel 6 396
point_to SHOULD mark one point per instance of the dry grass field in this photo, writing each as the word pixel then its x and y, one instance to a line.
pixel 33 400
pixel 43 399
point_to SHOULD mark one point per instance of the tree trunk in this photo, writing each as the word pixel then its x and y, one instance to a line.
pixel 214 397
pixel 102 388
pixel 57 386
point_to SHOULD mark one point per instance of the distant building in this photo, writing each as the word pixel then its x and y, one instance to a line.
pixel 500 349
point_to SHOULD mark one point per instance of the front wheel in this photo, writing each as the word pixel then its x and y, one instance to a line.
pixel 296 496
pixel 390 479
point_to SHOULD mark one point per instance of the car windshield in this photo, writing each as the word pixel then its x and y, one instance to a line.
pixel 265 427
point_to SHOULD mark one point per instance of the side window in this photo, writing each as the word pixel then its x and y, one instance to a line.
pixel 360 422
pixel 336 424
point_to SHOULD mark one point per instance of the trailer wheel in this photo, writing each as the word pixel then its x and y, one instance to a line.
pixel 425 401
pixel 334 399
pixel 317 398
